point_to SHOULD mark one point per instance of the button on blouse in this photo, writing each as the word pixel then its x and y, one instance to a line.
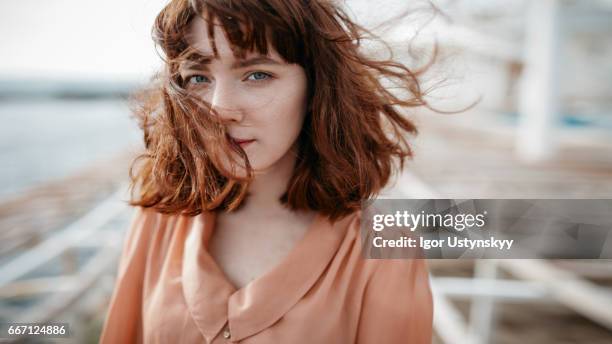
pixel 170 289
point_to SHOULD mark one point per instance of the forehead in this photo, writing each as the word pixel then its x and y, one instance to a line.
pixel 204 42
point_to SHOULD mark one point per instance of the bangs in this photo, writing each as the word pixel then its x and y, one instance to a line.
pixel 251 26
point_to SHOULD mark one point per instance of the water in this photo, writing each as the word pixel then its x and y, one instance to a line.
pixel 46 139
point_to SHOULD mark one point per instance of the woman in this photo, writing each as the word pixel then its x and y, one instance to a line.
pixel 264 134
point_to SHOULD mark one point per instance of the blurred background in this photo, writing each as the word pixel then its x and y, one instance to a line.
pixel 540 72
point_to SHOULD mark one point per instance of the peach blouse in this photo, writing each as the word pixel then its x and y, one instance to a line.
pixel 170 290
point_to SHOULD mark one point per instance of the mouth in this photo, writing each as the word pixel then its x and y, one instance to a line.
pixel 241 142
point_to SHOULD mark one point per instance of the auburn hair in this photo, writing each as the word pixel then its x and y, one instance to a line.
pixel 353 137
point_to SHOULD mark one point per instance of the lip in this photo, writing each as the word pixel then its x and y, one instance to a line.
pixel 242 142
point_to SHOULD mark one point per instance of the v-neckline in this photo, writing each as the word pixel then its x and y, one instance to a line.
pixel 213 300
pixel 210 227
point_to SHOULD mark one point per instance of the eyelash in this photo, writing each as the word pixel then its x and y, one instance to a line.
pixel 268 76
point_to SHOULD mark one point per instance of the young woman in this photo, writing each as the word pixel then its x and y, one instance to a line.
pixel 265 132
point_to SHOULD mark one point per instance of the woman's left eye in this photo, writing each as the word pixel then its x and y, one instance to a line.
pixel 258 76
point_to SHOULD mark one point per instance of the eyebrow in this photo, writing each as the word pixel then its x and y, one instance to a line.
pixel 199 61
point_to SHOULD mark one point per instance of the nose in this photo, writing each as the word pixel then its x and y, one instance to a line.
pixel 224 102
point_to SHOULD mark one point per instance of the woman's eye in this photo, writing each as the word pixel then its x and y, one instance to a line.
pixel 258 76
pixel 197 79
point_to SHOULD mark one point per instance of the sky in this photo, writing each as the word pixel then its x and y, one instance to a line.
pixel 105 40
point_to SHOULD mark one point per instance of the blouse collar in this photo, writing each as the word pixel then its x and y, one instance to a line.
pixel 212 300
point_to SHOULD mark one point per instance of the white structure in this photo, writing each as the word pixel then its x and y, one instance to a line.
pixel 539 91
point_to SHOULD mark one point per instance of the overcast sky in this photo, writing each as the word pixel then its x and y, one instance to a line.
pixel 78 39
pixel 110 40
pixel 94 39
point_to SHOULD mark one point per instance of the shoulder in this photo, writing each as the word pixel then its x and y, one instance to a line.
pixel 148 228
pixel 395 284
pixel 351 222
pixel 404 276
pixel 381 273
pixel 145 222
pixel 395 294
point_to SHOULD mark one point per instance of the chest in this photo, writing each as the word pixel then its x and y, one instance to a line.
pixel 246 250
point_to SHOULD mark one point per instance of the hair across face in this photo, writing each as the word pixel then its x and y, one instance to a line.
pixel 261 99
pixel 291 77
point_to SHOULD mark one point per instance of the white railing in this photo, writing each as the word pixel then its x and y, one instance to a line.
pixel 538 280
pixel 89 231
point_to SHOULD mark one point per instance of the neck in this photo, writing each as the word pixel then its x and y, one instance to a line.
pixel 268 186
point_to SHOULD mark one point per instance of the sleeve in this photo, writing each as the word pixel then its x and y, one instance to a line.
pixel 123 322
pixel 397 305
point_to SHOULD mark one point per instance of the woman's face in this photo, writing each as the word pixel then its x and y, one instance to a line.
pixel 261 99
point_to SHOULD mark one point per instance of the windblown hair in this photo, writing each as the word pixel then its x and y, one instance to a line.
pixel 353 136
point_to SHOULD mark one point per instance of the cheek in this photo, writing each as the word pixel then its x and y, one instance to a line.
pixel 281 125
pixel 282 128
pixel 283 136
pixel 287 119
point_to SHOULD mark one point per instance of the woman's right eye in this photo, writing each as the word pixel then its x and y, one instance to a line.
pixel 197 79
